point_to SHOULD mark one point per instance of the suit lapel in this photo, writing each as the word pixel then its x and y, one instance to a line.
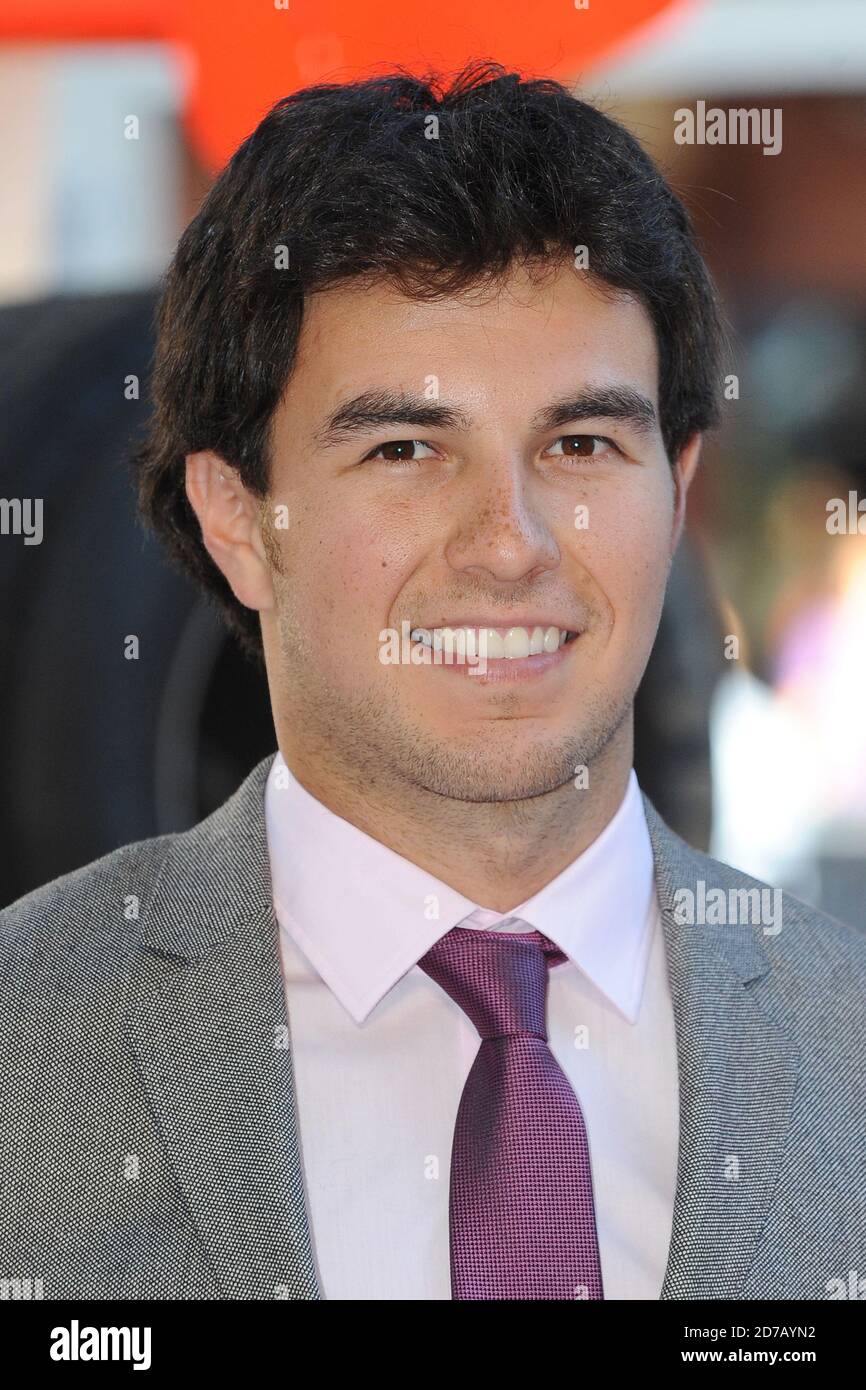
pixel 210 1031
pixel 738 1071
pixel 209 1028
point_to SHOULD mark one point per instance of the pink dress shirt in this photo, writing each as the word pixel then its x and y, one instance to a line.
pixel 381 1053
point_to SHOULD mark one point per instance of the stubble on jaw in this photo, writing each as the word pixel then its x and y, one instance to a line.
pixel 372 742
pixel 270 542
pixel 369 747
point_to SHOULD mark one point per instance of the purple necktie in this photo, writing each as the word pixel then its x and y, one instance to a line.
pixel 521 1207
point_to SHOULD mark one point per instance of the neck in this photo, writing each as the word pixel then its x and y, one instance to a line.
pixel 497 854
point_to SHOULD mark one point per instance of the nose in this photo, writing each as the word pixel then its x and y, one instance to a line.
pixel 502 533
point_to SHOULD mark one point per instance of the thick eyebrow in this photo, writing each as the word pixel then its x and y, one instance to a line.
pixel 381 409
pixel 605 402
pixel 373 410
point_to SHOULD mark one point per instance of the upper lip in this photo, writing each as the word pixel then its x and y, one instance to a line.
pixel 529 623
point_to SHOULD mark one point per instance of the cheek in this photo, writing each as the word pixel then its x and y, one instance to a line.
pixel 345 566
pixel 625 548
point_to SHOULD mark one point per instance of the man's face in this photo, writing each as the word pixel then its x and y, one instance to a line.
pixel 511 510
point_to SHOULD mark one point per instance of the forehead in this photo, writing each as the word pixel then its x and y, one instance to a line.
pixel 519 337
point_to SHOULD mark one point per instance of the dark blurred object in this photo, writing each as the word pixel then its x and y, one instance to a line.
pixel 98 750
pixel 671 712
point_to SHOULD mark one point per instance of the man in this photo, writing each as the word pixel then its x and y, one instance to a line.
pixel 436 1005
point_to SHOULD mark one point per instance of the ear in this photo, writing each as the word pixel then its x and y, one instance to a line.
pixel 229 518
pixel 683 473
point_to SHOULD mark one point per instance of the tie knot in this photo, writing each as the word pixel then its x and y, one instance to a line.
pixel 498 978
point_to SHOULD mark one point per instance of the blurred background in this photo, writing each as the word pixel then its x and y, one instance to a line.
pixel 751 738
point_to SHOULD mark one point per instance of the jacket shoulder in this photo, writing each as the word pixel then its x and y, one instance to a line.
pixel 817 963
pixel 790 928
pixel 82 924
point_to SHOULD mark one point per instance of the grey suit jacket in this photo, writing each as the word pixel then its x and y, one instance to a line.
pixel 148 1133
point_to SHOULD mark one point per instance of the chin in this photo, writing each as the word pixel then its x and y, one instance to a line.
pixel 527 767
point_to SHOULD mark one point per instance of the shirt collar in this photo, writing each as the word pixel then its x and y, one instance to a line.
pixel 363 915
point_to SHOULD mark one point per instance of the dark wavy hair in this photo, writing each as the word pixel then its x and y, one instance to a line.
pixel 348 180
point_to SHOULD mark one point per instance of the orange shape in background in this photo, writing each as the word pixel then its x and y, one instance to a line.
pixel 246 54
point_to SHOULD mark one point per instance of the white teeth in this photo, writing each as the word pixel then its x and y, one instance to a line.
pixel 492 643
pixel 516 642
pixel 470 643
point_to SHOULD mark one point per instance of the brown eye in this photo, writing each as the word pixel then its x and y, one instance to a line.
pixel 400 451
pixel 579 445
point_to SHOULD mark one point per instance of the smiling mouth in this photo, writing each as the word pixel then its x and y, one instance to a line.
pixel 493 643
